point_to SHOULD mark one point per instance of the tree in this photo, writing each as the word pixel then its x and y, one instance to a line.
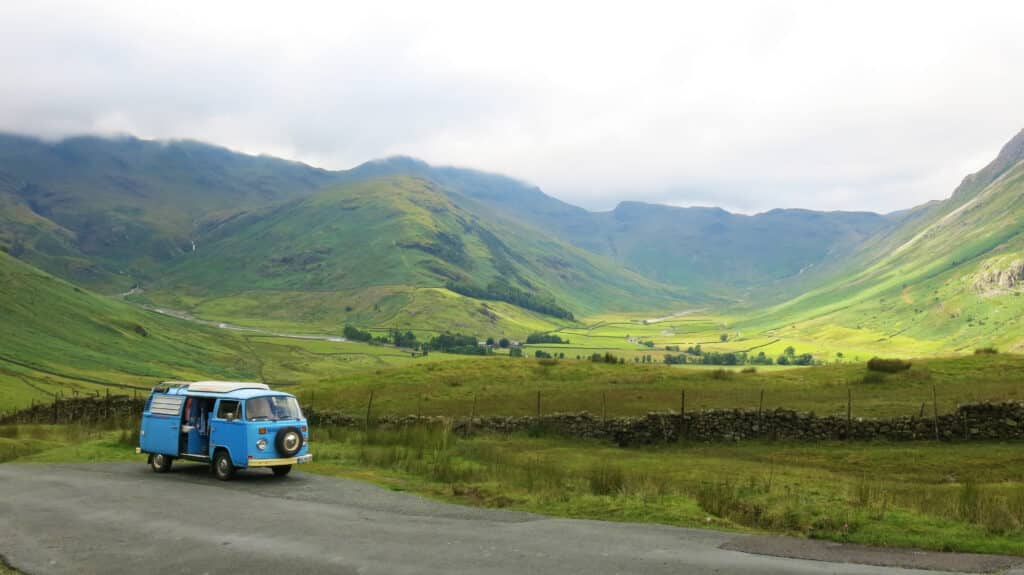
pixel 515 352
pixel 503 343
pixel 544 338
pixel 355 334
pixel 790 351
pixel 490 342
pixel 724 337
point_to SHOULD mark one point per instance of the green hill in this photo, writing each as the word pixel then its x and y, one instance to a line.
pixel 107 212
pixel 377 250
pixel 949 277
pixel 56 338
pixel 706 250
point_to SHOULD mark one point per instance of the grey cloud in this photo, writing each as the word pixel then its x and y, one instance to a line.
pixel 732 104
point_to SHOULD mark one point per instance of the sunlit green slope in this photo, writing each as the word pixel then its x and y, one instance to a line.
pixel 949 278
pixel 56 338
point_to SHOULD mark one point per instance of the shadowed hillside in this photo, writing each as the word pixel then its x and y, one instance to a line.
pixel 107 212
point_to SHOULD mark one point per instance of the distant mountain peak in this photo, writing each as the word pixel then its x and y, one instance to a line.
pixel 397 161
pixel 1009 156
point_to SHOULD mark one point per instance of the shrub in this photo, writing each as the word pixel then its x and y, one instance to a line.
pixel 873 377
pixel 717 497
pixel 986 351
pixel 605 479
pixel 749 370
pixel 721 374
pixel 883 365
pixel 544 338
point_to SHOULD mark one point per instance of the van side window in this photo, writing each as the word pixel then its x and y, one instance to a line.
pixel 227 409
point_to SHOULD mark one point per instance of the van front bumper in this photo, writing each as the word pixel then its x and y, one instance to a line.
pixel 281 461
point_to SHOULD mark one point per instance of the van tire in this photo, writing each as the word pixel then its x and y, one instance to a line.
pixel 288 441
pixel 281 470
pixel 160 463
pixel 222 466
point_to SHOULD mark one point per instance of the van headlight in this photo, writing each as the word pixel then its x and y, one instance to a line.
pixel 261 444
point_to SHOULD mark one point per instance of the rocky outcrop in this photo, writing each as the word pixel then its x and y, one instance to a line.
pixel 1001 278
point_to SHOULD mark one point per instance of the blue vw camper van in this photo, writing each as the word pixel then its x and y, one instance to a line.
pixel 230 425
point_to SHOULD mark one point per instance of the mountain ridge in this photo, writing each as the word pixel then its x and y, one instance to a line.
pixel 197 224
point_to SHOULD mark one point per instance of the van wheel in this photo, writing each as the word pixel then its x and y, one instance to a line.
pixel 281 470
pixel 222 466
pixel 160 462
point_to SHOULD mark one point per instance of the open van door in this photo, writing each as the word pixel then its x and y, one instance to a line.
pixel 161 424
pixel 228 431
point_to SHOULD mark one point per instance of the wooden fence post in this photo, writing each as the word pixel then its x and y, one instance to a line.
pixel 682 413
pixel 935 412
pixel 369 406
pixel 760 406
pixel 472 414
pixel 604 406
pixel 849 412
pixel 538 404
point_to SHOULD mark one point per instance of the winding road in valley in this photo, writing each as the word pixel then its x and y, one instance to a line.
pixel 223 325
pixel 121 518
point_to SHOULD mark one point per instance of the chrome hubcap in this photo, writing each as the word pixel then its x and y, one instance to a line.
pixel 291 441
pixel 158 460
pixel 222 465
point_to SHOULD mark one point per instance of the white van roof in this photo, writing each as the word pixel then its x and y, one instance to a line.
pixel 217 386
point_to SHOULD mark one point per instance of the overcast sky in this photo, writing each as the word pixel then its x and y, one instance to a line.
pixel 746 105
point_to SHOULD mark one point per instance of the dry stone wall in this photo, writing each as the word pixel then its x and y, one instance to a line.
pixel 983 421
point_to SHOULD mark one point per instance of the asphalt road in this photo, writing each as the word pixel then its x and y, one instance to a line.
pixel 123 518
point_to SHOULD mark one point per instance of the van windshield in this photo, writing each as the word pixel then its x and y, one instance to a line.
pixel 272 408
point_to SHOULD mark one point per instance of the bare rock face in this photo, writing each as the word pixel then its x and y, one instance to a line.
pixel 1000 279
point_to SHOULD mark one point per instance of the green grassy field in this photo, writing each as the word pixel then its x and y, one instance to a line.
pixel 509 386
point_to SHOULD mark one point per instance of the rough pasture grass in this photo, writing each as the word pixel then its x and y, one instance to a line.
pixel 509 386
pixel 967 499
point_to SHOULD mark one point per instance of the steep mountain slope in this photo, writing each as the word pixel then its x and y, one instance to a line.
pixel 57 337
pixel 108 211
pixel 386 235
pixel 707 250
pixel 950 276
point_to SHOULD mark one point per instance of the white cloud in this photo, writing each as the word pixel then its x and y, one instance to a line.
pixel 750 105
